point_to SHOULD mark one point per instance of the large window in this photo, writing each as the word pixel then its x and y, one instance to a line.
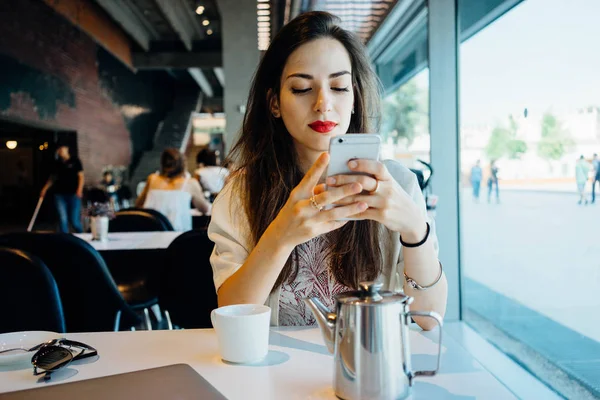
pixel 401 60
pixel 530 230
pixel 405 122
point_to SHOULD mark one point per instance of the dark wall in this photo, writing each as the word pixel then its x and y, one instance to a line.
pixel 144 99
pixel 53 73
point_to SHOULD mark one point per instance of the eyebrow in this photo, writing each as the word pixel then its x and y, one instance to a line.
pixel 307 76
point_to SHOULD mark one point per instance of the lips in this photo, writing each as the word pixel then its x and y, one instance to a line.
pixel 322 126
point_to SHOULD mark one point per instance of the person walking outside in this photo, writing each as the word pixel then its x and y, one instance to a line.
pixel 596 178
pixel 476 176
pixel 582 169
pixel 493 180
pixel 67 179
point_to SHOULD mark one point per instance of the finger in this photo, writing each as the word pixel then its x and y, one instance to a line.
pixel 371 167
pixel 311 179
pixel 341 212
pixel 369 213
pixel 320 188
pixel 367 182
pixel 372 201
pixel 335 194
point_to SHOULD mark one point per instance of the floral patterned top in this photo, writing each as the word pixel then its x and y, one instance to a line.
pixel 314 280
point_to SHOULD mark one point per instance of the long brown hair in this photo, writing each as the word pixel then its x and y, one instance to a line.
pixel 266 162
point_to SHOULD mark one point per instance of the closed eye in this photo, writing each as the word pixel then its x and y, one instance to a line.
pixel 335 89
pixel 297 91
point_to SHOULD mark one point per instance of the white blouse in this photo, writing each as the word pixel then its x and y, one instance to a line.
pixel 229 230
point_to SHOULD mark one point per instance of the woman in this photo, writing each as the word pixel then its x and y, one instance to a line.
pixel 274 242
pixel 171 192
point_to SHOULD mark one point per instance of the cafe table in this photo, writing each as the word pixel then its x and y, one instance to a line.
pixel 298 365
pixel 121 241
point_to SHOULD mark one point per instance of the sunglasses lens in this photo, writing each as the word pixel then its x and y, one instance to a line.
pixel 52 358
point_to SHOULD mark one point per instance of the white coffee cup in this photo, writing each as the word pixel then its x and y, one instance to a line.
pixel 242 332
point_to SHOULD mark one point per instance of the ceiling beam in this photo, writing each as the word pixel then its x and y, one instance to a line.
pixel 182 20
pixel 127 16
pixel 207 59
pixel 201 80
pixel 90 19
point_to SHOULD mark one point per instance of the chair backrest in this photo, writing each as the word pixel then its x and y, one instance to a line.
pixel 28 294
pixel 88 292
pixel 139 220
pixel 200 222
pixel 187 289
pixel 162 217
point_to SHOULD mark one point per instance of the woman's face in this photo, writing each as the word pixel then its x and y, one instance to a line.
pixel 316 97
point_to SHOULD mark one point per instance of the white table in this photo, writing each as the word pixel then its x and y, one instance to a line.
pixel 298 365
pixel 131 240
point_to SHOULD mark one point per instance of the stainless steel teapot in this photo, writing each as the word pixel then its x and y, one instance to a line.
pixel 368 336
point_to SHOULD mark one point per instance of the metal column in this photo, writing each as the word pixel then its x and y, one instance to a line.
pixel 445 145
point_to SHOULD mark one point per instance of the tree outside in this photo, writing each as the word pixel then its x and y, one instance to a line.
pixel 404 111
pixel 556 141
pixel 504 143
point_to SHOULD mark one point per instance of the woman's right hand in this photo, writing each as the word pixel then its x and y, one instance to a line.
pixel 299 221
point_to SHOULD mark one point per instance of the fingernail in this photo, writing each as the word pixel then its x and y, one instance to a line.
pixel 357 187
pixel 330 181
pixel 362 206
pixel 353 164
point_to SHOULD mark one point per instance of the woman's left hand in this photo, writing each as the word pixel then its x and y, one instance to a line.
pixel 388 202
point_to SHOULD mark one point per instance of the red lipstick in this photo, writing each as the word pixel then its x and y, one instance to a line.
pixel 322 126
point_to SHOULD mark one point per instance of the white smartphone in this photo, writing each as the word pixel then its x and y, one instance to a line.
pixel 347 147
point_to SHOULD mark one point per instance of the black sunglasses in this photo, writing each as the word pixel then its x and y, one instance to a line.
pixel 59 353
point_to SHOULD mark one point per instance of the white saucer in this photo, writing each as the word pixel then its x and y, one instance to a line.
pixel 26 340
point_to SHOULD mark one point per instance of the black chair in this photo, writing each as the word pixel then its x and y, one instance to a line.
pixel 139 220
pixel 162 217
pixel 187 289
pixel 200 222
pixel 134 281
pixel 28 294
pixel 90 297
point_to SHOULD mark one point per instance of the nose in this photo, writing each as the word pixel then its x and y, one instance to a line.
pixel 323 103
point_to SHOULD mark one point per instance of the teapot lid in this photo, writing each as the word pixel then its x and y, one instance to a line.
pixel 370 293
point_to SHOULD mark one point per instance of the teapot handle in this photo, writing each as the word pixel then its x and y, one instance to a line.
pixel 438 319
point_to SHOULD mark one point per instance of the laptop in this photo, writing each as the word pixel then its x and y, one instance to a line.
pixel 177 381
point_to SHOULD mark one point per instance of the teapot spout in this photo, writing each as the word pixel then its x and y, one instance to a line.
pixel 326 320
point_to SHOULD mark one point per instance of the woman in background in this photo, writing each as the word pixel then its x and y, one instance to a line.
pixel 171 191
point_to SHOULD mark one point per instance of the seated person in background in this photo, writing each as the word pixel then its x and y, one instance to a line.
pixel 107 180
pixel 108 183
pixel 170 192
pixel 209 174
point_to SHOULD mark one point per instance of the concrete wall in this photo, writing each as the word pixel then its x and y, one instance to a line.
pixel 240 59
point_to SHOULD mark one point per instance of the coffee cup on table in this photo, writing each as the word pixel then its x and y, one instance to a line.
pixel 242 332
